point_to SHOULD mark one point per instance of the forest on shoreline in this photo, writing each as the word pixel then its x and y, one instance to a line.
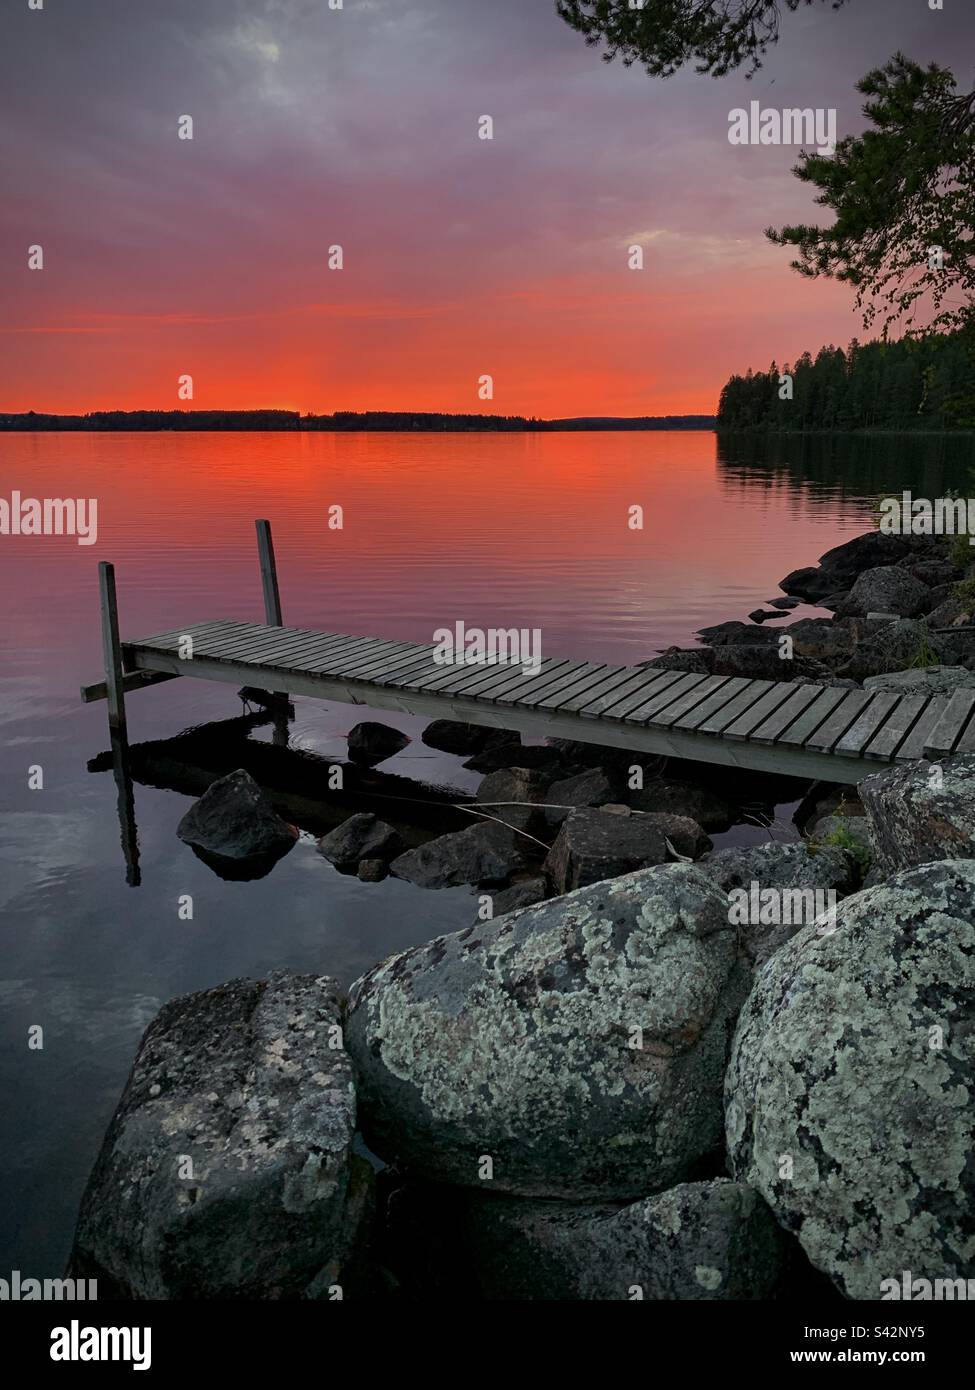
pixel 912 384
pixel 343 421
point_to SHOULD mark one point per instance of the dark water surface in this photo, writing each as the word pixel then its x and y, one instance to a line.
pixel 496 530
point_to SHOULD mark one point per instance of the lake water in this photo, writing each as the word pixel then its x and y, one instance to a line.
pixel 497 530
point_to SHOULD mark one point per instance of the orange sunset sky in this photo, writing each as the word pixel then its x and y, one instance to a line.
pixel 462 256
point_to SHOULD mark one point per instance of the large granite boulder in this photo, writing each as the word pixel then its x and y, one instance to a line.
pixel 227 1170
pixel 888 589
pixel 921 811
pixel 233 819
pixel 822 639
pixel 850 1092
pixel 485 852
pixel 711 1240
pixel 923 680
pixel 573 1050
pixel 841 566
pixel 594 787
pixel 594 844
pixel 362 836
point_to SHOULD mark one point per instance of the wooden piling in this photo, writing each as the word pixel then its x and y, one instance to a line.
pixel 112 649
pixel 269 575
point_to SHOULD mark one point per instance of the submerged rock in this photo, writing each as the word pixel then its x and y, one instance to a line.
pixel 451 736
pixel 362 836
pixel 371 742
pixel 233 819
pixel 227 1170
pixel 850 1092
pixel 579 1045
pixel 921 811
pixel 483 853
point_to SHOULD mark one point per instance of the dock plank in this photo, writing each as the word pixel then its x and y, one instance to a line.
pixel 951 725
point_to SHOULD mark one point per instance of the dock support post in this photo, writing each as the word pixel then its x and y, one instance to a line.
pixel 272 615
pixel 112 649
pixel 269 575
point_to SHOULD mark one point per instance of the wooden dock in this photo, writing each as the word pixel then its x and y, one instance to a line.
pixel 817 732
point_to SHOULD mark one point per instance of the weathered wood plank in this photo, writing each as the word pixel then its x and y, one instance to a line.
pixel 771 729
pixel 913 745
pixel 690 700
pixel 659 701
pixel 829 733
pixel 629 703
pixel 951 725
pixel 555 696
pixel 753 701
pixel 131 680
pixel 814 715
pixel 643 682
pixel 866 725
pixel 885 743
pixel 539 684
pixel 604 688
pixel 713 706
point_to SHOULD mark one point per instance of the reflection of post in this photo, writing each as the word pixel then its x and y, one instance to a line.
pixel 111 648
pixel 272 616
pixel 126 807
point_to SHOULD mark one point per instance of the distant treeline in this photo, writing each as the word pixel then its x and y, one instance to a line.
pixel 914 384
pixel 342 420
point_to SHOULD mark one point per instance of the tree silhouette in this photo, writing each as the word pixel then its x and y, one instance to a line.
pixel 666 35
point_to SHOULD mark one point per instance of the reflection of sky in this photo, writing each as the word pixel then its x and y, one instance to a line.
pixel 315 126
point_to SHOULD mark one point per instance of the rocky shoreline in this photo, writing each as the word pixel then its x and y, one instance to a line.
pixel 647 1068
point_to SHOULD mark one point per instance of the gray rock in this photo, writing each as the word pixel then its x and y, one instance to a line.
pixel 697 1241
pixel 922 680
pixel 372 870
pixel 371 742
pixel 242 1082
pixel 451 736
pixel 849 1094
pixel 764 663
pixel 674 797
pixel 796 868
pixel 594 787
pixel 483 853
pixel 763 615
pixel 525 893
pixel 888 589
pixel 579 1044
pixel 933 572
pixel 362 836
pixel 698 660
pixel 504 793
pixel 921 811
pixel 598 844
pixel 894 646
pixel 233 819
pixel 737 635
pixel 851 833
pixel 822 639
pixel 784 603
pixel 951 612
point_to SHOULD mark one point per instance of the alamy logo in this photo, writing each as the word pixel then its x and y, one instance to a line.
pixel 50 516
pixel 478 646
pixel 926 1290
pixel 18 1290
pixel 77 1343
pixel 790 126
pixel 908 515
pixel 755 906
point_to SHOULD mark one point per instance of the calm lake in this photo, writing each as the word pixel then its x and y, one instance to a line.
pixel 512 530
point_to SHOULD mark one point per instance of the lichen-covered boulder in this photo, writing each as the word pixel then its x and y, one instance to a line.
pixel 575 1048
pixel 227 1170
pixel 894 646
pixel 921 811
pixel 698 1241
pixel 850 1091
